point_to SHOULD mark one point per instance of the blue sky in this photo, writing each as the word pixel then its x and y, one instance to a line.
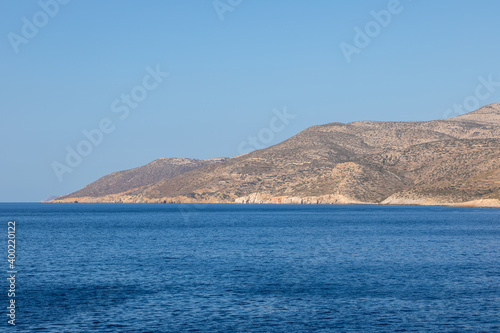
pixel 225 77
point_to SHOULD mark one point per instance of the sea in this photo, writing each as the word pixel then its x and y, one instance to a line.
pixel 250 268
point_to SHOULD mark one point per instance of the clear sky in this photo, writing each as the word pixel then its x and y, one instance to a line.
pixel 231 68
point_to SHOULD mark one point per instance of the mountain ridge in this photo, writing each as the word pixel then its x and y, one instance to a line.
pixel 444 162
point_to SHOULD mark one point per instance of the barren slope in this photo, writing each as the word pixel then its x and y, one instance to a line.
pixel 451 161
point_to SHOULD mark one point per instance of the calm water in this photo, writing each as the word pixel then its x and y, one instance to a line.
pixel 235 268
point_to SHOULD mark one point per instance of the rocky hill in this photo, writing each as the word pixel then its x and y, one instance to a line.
pixel 442 162
pixel 160 169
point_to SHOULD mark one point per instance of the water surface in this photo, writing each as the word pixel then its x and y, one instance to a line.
pixel 254 268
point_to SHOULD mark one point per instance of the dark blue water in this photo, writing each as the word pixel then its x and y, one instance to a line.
pixel 235 268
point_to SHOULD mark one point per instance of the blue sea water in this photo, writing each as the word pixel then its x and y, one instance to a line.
pixel 246 268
